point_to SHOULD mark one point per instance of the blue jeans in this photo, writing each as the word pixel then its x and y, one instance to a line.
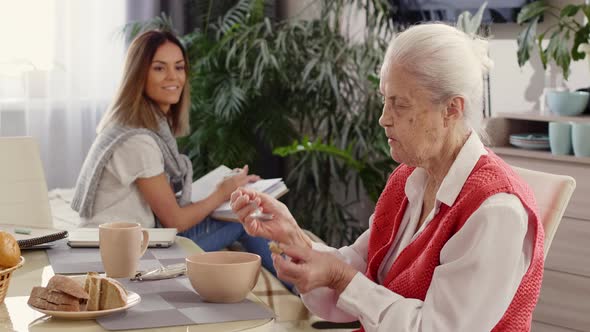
pixel 213 235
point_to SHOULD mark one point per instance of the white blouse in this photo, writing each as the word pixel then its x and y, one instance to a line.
pixel 481 267
pixel 117 196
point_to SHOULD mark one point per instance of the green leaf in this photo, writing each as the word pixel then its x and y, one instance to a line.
pixel 463 21
pixel 581 37
pixel 374 79
pixel 469 24
pixel 542 52
pixel 551 49
pixel 526 40
pixel 532 11
pixel 570 10
pixel 318 147
pixel 562 57
pixel 476 21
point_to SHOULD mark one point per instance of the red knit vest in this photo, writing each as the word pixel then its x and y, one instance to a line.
pixel 412 271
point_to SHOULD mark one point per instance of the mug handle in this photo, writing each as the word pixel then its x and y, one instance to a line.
pixel 145 242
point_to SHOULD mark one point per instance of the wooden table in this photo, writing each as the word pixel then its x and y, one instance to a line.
pixel 15 314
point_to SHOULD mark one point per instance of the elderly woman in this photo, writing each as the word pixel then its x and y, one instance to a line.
pixel 454 243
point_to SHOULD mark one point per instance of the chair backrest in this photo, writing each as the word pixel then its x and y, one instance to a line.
pixel 552 193
pixel 23 190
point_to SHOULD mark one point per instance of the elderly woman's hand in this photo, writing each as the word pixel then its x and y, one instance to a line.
pixel 309 269
pixel 282 227
pixel 238 178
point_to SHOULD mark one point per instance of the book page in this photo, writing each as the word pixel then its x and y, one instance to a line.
pixel 204 186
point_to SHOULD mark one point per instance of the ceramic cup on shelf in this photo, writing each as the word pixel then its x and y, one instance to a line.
pixel 560 138
pixel 121 246
pixel 581 139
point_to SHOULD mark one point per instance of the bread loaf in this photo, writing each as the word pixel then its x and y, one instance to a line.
pixel 65 294
pixel 9 251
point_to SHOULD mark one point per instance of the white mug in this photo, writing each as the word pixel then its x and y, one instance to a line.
pixel 121 246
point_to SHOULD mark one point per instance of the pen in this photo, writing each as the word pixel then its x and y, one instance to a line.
pixel 233 172
pixel 25 231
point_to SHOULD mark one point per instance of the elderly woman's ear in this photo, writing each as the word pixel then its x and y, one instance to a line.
pixel 454 110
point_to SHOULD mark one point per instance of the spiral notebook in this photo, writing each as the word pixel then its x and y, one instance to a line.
pixel 33 237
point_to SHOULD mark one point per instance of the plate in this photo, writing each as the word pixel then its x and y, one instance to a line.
pixel 530 141
pixel 132 300
pixel 530 137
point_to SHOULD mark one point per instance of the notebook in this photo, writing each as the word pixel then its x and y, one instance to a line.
pixel 34 237
pixel 88 237
pixel 205 185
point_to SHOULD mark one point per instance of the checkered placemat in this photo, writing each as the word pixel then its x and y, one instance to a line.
pixel 172 302
pixel 169 302
pixel 66 260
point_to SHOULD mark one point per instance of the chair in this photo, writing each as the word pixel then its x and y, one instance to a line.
pixel 552 193
pixel 23 190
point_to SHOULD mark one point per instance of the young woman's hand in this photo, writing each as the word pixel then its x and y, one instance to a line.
pixel 281 228
pixel 237 179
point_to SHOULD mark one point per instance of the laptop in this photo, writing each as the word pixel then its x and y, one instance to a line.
pixel 88 237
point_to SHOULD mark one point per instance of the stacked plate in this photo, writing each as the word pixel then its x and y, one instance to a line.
pixel 530 141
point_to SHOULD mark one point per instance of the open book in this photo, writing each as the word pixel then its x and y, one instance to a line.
pixel 205 185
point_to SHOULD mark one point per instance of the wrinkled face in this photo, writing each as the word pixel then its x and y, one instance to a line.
pixel 166 76
pixel 413 123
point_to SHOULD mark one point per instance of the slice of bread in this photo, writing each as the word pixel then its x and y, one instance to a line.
pixel 87 281
pixel 275 248
pixel 67 285
pixel 44 298
pixel 92 286
pixel 40 303
pixel 105 293
pixel 112 295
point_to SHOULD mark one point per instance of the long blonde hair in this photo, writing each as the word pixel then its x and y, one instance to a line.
pixel 131 106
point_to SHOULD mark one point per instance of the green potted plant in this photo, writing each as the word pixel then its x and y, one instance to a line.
pixel 303 90
pixel 568 32
pixel 565 34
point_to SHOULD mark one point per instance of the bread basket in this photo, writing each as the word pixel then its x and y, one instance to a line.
pixel 5 278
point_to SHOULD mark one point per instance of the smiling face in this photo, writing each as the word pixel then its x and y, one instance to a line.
pixel 166 76
pixel 414 125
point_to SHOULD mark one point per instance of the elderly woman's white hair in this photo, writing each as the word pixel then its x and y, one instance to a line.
pixel 447 62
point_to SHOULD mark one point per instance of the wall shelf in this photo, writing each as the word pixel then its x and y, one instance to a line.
pixel 537 116
pixel 538 154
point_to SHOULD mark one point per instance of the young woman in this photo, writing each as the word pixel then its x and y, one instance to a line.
pixel 134 170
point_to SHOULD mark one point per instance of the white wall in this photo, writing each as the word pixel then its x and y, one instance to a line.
pixel 515 89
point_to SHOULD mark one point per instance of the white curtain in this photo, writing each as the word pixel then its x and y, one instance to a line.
pixel 60 64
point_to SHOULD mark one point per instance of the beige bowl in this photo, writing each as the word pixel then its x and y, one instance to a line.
pixel 223 276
